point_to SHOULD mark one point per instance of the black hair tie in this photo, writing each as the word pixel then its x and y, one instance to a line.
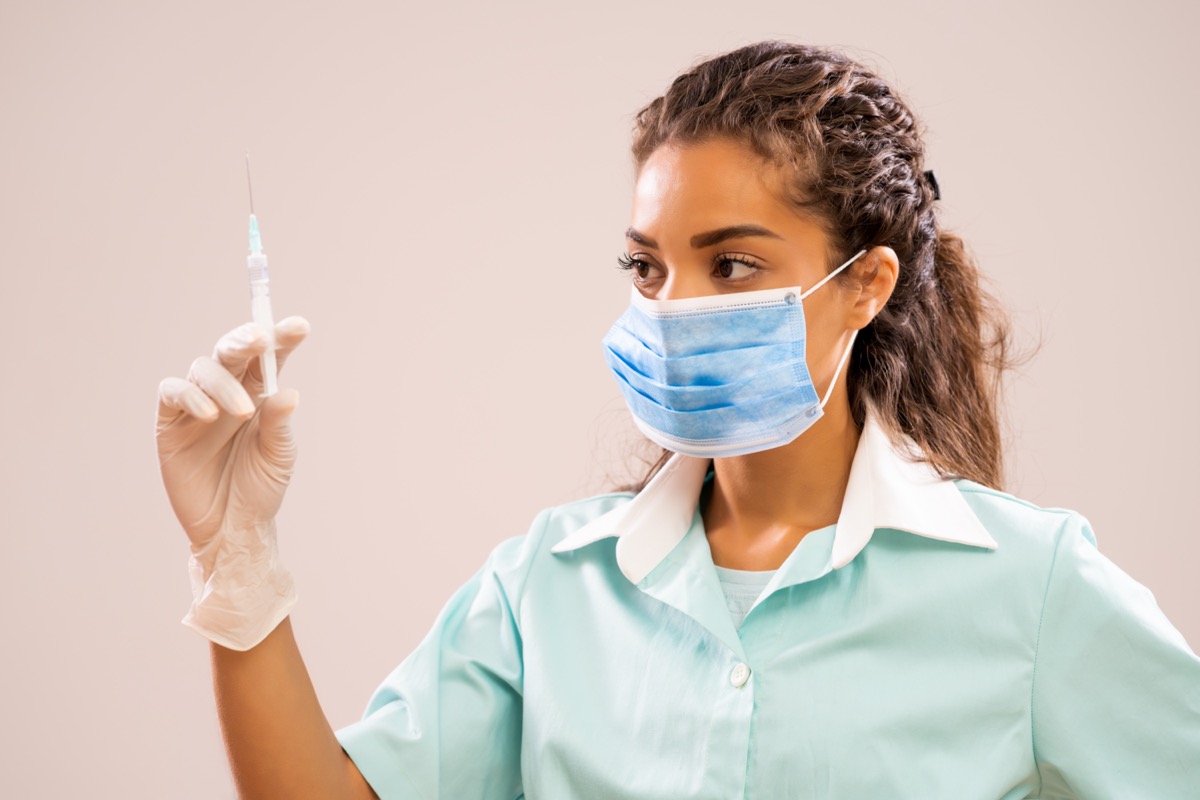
pixel 937 193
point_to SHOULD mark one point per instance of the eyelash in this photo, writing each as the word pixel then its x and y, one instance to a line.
pixel 625 262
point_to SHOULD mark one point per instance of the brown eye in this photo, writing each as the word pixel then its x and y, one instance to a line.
pixel 640 268
pixel 734 268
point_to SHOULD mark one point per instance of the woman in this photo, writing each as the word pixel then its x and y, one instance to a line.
pixel 819 591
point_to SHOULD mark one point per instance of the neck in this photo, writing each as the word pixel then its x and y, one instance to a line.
pixel 760 505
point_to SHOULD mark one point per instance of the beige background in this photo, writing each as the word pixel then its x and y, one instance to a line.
pixel 442 190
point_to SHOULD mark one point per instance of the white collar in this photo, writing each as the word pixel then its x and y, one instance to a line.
pixel 885 490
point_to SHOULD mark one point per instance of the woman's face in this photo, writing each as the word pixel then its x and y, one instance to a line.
pixel 687 205
pixel 710 218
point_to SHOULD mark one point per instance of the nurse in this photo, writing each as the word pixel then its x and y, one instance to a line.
pixel 818 591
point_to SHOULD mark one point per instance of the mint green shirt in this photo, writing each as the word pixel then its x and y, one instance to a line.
pixel 941 640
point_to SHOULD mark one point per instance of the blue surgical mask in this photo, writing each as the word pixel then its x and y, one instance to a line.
pixel 720 375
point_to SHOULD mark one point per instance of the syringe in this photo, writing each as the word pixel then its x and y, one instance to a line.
pixel 260 295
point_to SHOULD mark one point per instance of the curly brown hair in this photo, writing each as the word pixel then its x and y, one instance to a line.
pixel 932 359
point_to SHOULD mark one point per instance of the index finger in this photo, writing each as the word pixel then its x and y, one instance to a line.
pixel 235 349
pixel 289 333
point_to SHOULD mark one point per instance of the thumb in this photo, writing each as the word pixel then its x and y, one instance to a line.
pixel 274 429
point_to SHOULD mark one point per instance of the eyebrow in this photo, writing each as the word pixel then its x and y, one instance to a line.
pixel 711 237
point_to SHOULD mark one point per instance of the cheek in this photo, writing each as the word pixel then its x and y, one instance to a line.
pixel 822 332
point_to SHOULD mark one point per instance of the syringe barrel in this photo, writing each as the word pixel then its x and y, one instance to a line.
pixel 260 307
pixel 260 304
pixel 257 264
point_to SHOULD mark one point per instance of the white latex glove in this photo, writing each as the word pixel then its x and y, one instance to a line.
pixel 226 457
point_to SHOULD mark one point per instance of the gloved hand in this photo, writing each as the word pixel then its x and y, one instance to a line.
pixel 226 457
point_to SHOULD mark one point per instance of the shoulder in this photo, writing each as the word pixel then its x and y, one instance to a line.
pixel 1018 522
pixel 552 523
pixel 1035 544
pixel 563 520
pixel 513 559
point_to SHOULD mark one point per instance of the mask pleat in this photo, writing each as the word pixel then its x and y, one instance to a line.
pixel 700 397
pixel 714 369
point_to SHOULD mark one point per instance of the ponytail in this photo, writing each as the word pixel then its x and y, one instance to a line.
pixel 933 367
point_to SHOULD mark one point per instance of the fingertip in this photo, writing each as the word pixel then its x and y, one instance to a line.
pixel 293 325
pixel 284 401
pixel 288 400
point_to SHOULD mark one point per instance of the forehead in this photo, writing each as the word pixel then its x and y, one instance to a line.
pixel 682 189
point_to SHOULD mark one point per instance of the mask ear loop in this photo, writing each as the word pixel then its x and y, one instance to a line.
pixel 817 285
pixel 850 346
pixel 838 371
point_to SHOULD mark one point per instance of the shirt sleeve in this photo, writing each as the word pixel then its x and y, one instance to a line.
pixel 446 722
pixel 1116 689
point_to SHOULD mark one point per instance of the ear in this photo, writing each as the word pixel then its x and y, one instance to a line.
pixel 876 272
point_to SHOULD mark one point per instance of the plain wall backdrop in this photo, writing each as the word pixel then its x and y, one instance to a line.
pixel 442 190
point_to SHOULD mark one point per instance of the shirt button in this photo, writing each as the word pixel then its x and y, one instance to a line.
pixel 739 676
